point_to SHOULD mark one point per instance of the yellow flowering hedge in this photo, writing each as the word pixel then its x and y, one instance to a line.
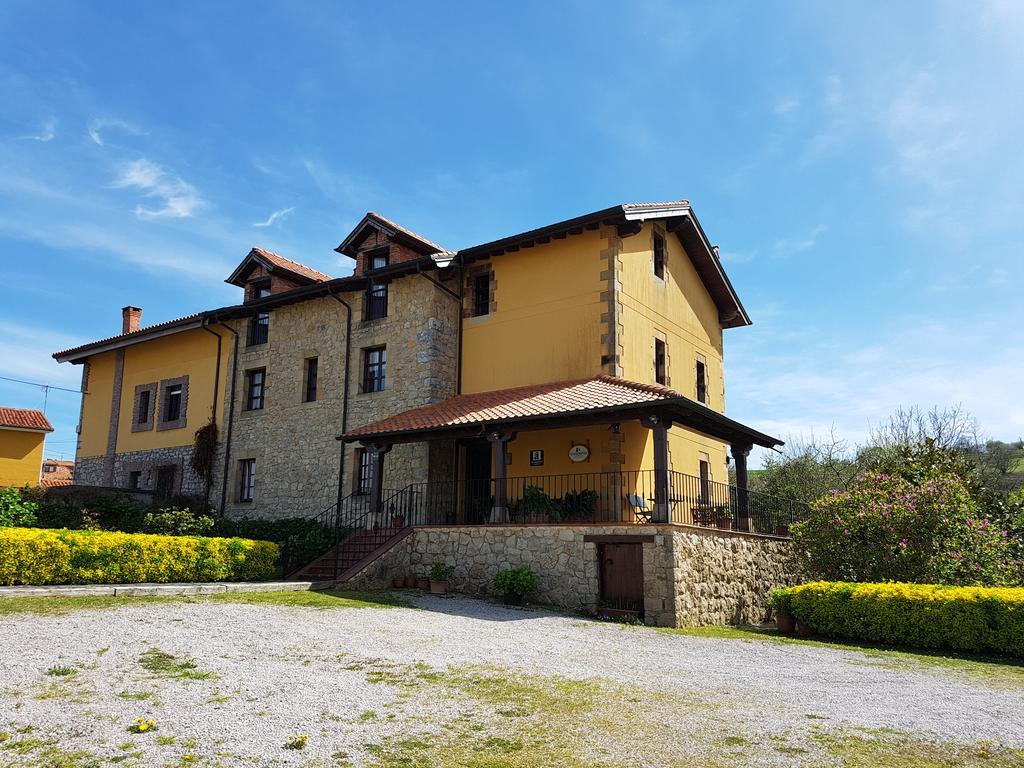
pixel 970 619
pixel 44 556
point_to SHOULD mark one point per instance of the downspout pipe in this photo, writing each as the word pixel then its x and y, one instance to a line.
pixel 230 418
pixel 344 394
pixel 216 390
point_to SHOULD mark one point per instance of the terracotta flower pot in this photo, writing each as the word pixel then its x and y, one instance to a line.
pixel 410 581
pixel 398 521
pixel 438 587
pixel 785 623
pixel 724 523
pixel 744 524
pixel 423 584
pixel 802 630
pixel 398 582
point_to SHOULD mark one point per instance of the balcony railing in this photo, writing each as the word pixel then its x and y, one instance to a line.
pixel 637 497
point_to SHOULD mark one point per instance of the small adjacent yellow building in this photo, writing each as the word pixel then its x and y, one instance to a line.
pixel 22 434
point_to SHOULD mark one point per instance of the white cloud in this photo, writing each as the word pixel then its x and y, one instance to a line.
pixel 178 199
pixel 101 124
pixel 785 105
pixel 48 132
pixel 793 245
pixel 275 217
pixel 25 354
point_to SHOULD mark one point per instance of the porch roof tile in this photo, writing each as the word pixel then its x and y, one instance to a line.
pixel 562 398
pixel 24 418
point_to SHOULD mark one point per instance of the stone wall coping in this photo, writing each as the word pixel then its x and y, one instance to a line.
pixel 640 529
pixel 709 531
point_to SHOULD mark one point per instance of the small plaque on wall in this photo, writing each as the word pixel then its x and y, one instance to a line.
pixel 536 458
pixel 578 453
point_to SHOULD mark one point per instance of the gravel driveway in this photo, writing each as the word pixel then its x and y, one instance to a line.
pixel 455 681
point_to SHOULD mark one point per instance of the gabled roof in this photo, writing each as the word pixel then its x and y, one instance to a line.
pixel 374 221
pixel 546 402
pixel 275 264
pixel 25 419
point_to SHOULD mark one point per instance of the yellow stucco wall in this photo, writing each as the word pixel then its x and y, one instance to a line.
pixel 547 326
pixel 21 456
pixel 679 307
pixel 92 440
pixel 190 353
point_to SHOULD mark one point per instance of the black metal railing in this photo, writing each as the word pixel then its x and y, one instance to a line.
pixel 644 496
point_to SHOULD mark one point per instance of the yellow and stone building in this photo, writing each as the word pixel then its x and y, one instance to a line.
pixel 22 434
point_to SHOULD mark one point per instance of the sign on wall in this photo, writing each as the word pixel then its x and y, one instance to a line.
pixel 578 453
pixel 536 458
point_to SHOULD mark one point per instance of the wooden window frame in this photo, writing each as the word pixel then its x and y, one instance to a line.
pixel 363 481
pixel 375 301
pixel 701 379
pixel 259 329
pixel 310 379
pixel 660 253
pixel 246 481
pixel 660 361
pixel 482 299
pixel 255 402
pixel 375 372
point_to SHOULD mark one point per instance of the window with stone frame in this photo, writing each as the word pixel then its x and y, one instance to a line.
pixel 375 362
pixel 701 375
pixel 143 407
pixel 660 361
pixel 659 255
pixel 479 291
pixel 309 390
pixel 246 480
pixel 482 295
pixel 255 389
pixel 172 408
pixel 135 479
pixel 375 301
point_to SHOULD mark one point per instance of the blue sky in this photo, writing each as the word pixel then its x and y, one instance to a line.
pixel 860 167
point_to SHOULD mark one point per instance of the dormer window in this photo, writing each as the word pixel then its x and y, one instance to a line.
pixel 379 257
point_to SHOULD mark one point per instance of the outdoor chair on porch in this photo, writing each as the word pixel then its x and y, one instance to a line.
pixel 641 512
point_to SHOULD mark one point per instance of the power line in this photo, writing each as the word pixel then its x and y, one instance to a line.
pixel 39 384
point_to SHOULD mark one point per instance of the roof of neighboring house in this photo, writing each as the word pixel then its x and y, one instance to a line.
pixel 25 419
pixel 557 399
pixel 275 263
pixel 65 463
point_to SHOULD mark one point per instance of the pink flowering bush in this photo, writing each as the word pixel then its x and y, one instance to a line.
pixel 887 528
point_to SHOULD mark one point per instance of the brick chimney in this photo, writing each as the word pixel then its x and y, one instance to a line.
pixel 131 319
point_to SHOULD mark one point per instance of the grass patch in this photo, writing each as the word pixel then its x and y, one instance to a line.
pixel 164 665
pixel 322 599
pixel 61 671
pixel 892 749
pixel 136 695
pixel 1000 671
pixel 332 598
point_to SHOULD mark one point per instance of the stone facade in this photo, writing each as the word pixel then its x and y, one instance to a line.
pixel 93 470
pixel 186 481
pixel 293 441
pixel 691 576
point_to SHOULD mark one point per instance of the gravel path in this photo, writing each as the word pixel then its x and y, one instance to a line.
pixel 348 678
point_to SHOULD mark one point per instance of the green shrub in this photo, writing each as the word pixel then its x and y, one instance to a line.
pixel 441 571
pixel 177 522
pixel 579 505
pixel 535 503
pixel 515 581
pixel 42 556
pixel 780 600
pixel 969 619
pixel 16 508
pixel 889 528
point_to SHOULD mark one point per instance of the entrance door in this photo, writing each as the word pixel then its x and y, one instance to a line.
pixel 477 481
pixel 622 576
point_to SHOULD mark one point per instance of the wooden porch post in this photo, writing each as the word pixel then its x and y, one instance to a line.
pixel 739 455
pixel 662 502
pixel 499 441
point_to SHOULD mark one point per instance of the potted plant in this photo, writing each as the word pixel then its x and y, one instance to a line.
pixel 515 584
pixel 422 582
pixel 439 575
pixel 780 601
pixel 398 582
pixel 723 517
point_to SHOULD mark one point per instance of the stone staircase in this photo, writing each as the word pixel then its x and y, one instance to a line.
pixel 351 555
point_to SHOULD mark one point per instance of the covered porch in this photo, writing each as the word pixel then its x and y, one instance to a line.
pixel 635 480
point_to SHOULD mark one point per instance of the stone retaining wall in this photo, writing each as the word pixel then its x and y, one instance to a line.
pixel 692 576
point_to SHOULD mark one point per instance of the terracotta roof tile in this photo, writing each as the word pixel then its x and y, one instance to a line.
pixel 578 396
pixel 292 266
pixel 395 225
pixel 20 418
pixel 144 330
